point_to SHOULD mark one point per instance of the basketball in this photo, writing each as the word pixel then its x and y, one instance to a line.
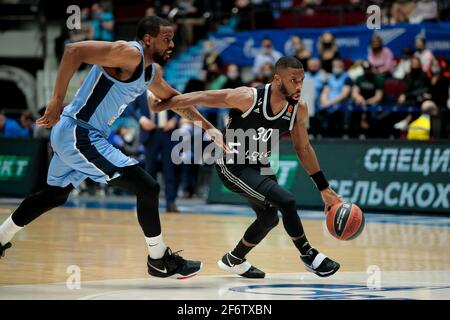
pixel 345 221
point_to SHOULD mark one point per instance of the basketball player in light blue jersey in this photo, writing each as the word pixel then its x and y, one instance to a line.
pixel 121 72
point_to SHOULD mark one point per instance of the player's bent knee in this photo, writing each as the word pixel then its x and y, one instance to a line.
pixel 60 200
pixel 154 189
pixel 288 203
pixel 273 222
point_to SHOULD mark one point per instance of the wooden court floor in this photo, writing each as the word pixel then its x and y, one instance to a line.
pixel 108 244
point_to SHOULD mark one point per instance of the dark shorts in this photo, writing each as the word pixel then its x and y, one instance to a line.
pixel 247 180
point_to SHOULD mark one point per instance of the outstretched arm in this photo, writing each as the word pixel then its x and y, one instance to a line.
pixel 162 90
pixel 119 54
pixel 308 158
pixel 241 98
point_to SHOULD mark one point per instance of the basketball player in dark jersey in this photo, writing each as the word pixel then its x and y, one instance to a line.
pixel 272 108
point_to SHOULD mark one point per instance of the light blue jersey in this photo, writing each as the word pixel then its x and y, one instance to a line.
pixel 101 99
pixel 79 139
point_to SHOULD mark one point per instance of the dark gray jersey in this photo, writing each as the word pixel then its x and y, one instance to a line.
pixel 251 135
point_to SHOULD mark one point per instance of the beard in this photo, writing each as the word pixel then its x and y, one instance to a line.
pixel 288 97
pixel 159 59
pixel 283 90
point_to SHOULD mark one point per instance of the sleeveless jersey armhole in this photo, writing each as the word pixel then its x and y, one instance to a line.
pixel 153 74
pixel 294 116
pixel 255 98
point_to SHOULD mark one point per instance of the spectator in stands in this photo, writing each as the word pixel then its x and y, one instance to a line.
pixel 254 14
pixel 155 136
pixel 310 5
pixel 165 10
pixel 150 12
pixel 424 11
pixel 9 128
pixel 417 90
pixel 233 77
pixel 380 57
pixel 265 75
pixel 190 19
pixel 420 128
pixel 267 54
pixel 336 91
pixel 27 123
pixel 401 10
pixel 367 90
pixel 86 32
pixel 215 80
pixel 210 55
pixel 404 65
pixel 440 94
pixel 426 56
pixel 317 75
pixel 303 56
pixel 124 138
pixel 294 44
pixel 102 23
pixel 328 50
pixel 417 85
pixel 186 181
pixel 440 86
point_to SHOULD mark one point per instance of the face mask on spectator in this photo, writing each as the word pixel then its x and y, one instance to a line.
pixel 327 45
pixel 267 49
pixel 232 75
pixel 208 50
pixel 376 47
pixel 267 74
pixel 416 71
pixel 337 70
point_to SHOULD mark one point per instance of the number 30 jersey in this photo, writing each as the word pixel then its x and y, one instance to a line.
pixel 252 134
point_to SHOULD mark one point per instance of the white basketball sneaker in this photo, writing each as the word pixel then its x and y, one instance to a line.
pixel 242 267
pixel 319 263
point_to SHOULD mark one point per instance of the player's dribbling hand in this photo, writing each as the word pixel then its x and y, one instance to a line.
pixel 330 197
pixel 51 115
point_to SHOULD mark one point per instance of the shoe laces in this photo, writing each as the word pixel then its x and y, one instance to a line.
pixel 175 256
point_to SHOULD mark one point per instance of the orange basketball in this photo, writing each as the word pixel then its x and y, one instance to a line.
pixel 345 221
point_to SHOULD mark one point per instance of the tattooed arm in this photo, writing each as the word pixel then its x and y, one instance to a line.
pixel 161 89
pixel 241 98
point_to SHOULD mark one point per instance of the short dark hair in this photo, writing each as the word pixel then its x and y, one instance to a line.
pixel 150 25
pixel 288 62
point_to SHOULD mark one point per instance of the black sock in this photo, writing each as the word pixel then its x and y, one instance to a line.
pixel 302 244
pixel 241 250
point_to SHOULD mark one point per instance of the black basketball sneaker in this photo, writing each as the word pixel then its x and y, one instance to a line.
pixel 238 266
pixel 319 263
pixel 3 249
pixel 172 265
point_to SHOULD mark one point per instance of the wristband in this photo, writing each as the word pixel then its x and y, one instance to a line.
pixel 319 180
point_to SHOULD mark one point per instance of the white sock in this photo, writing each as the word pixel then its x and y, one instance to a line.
pixel 156 247
pixel 7 230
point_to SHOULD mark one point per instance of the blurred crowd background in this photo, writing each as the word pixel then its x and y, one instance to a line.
pixel 384 96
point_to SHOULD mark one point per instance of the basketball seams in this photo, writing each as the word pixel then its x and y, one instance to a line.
pixel 345 221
